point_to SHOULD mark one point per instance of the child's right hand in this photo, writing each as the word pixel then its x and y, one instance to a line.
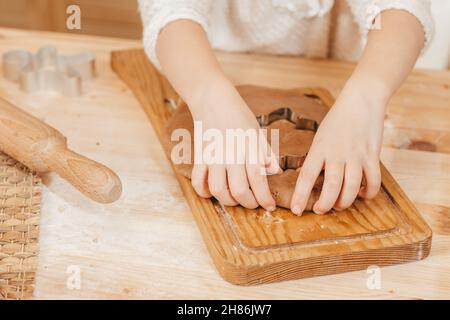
pixel 189 63
pixel 221 107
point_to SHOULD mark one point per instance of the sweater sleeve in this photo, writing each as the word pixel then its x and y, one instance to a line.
pixel 156 14
pixel 365 11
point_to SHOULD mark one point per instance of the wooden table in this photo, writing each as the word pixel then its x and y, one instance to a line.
pixel 147 244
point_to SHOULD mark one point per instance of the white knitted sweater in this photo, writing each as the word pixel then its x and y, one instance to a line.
pixel 311 28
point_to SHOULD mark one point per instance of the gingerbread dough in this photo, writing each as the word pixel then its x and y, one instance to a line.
pixel 294 143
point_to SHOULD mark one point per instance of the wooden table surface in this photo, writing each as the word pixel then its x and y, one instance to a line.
pixel 146 245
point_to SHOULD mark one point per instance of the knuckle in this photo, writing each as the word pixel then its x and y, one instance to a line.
pixel 334 181
pixel 216 190
pixel 307 176
pixel 370 150
pixel 353 185
pixel 238 192
pixel 373 152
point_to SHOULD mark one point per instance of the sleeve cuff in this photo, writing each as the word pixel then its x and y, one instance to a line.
pixel 418 8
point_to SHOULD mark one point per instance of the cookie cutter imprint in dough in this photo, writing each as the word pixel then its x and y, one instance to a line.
pixel 48 71
pixel 289 161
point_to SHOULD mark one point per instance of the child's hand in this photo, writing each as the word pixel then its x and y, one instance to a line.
pixel 348 142
pixel 221 107
pixel 347 146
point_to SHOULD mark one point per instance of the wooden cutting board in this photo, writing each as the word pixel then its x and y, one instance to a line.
pixel 253 246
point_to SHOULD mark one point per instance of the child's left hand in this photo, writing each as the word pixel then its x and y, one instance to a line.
pixel 347 146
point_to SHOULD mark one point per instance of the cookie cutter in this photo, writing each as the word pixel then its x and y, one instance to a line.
pixel 289 161
pixel 289 115
pixel 48 71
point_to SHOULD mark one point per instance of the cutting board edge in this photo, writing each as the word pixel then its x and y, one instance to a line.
pixel 245 275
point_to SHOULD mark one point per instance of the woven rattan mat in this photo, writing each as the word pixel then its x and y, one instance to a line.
pixel 20 198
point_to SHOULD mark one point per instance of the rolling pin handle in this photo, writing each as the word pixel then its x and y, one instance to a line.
pixel 93 179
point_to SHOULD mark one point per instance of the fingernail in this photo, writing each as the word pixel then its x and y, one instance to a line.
pixel 296 210
pixel 317 210
pixel 271 208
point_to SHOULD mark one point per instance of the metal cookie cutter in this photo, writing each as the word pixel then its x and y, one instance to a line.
pixel 289 161
pixel 48 71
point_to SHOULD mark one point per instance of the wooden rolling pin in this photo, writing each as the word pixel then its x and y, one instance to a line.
pixel 42 149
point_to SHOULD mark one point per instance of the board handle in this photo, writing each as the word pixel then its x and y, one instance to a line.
pixel 93 179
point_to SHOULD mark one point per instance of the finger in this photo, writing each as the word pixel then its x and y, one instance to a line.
pixel 217 182
pixel 351 185
pixel 334 175
pixel 372 177
pixel 260 186
pixel 199 180
pixel 267 156
pixel 239 187
pixel 305 182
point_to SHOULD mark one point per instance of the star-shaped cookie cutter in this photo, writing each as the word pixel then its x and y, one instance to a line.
pixel 289 161
pixel 48 71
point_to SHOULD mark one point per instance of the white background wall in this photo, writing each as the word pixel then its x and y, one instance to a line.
pixel 438 54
